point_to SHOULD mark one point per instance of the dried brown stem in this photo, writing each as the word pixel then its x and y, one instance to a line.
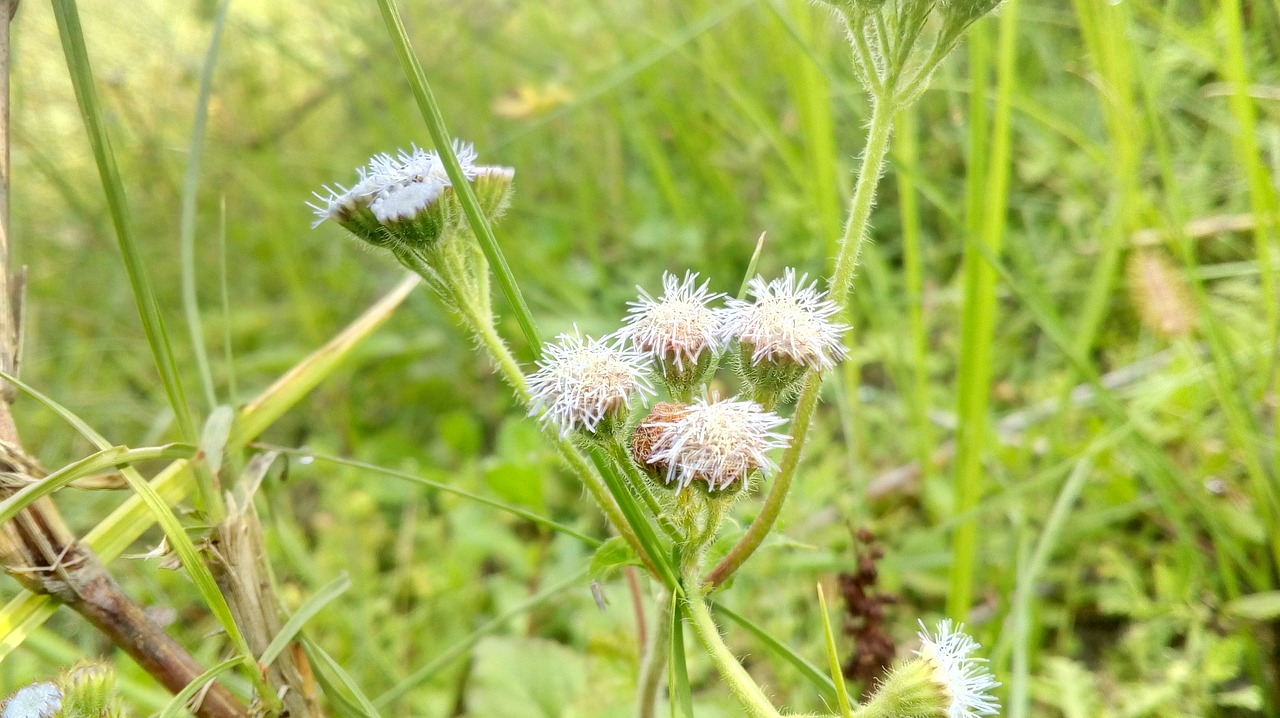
pixel 36 547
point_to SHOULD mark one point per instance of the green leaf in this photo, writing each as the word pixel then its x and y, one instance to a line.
pixel 610 557
pixel 517 677
pixel 1263 606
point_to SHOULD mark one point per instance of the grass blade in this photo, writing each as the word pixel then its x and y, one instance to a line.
pixel 826 687
pixel 111 457
pixel 338 685
pixel 979 318
pixel 190 193
pixel 681 694
pixel 444 145
pixel 179 703
pixel 460 648
pixel 463 493
pixel 305 612
pixel 833 657
pixel 68 18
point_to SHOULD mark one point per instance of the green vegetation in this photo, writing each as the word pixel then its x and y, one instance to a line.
pixel 1059 417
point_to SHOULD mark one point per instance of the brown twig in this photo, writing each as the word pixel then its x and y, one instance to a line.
pixel 36 547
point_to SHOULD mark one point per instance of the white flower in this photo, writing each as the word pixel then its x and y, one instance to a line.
pixel 38 700
pixel 580 382
pixel 680 326
pixel 966 679
pixel 409 180
pixel 788 321
pixel 718 442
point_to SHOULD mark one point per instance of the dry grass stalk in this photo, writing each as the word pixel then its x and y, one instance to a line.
pixel 237 557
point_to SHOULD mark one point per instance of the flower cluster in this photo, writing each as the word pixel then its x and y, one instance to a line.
pixel 588 387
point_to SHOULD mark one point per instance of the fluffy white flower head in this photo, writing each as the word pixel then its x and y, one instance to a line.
pixel 394 187
pixel 790 320
pixel 38 700
pixel 719 442
pixel 965 678
pixel 580 383
pixel 679 326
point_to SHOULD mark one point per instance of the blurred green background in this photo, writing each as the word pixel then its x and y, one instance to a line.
pixel 652 136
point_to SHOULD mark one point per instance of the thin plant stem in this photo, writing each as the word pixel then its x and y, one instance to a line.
pixel 654 661
pixel 855 233
pixel 507 365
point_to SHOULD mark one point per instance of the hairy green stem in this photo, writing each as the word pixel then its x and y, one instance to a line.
pixel 855 233
pixel 744 688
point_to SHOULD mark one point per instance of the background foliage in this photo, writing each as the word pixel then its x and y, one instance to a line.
pixel 1127 548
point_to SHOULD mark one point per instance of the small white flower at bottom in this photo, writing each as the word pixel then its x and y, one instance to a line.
pixel 680 326
pixel 718 442
pixel 966 679
pixel 580 382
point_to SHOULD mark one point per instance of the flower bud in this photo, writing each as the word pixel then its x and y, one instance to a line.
pixel 783 334
pixel 408 201
pixel 89 691
pixel 943 680
pixel 717 444
pixel 679 331
pixel 587 385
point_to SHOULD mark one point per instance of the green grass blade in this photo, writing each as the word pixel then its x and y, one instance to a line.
pixel 173 529
pixel 25 611
pixel 305 613
pixel 681 694
pixel 190 193
pixel 1019 679
pixel 444 145
pixel 460 648
pixel 463 493
pixel 111 457
pixel 979 317
pixel 833 657
pixel 635 517
pixel 178 705
pixel 338 685
pixel 73 46
pixel 826 687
